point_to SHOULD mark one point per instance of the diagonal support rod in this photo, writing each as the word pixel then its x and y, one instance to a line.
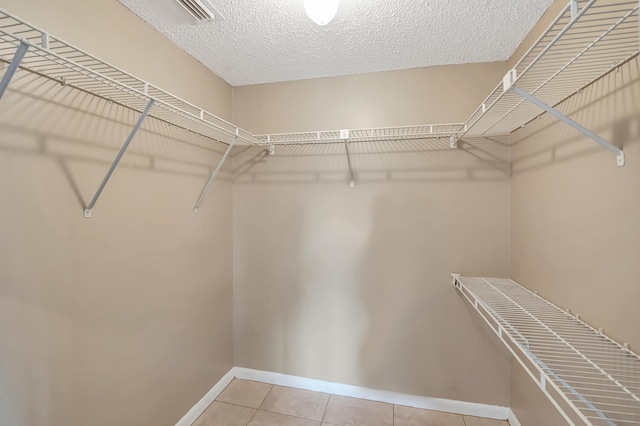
pixel 606 144
pixel 352 181
pixel 94 200
pixel 215 173
pixel 13 66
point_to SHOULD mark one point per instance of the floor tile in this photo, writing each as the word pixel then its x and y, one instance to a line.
pixel 408 416
pixel 296 402
pixel 245 393
pixel 266 418
pixel 221 414
pixel 477 421
pixel 346 411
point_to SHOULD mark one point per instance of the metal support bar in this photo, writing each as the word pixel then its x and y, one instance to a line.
pixel 352 181
pixel 574 8
pixel 94 200
pixel 608 145
pixel 215 173
pixel 13 66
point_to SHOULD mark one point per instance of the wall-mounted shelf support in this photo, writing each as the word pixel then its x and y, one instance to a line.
pixel 453 141
pixel 215 173
pixel 591 379
pixel 94 200
pixel 606 144
pixel 352 181
pixel 13 66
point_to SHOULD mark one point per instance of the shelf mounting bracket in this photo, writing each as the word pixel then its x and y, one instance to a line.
pixel 606 144
pixel 344 135
pixel 215 173
pixel 13 66
pixel 136 127
pixel 352 181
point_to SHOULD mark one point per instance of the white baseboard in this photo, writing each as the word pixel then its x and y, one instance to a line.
pixel 424 402
pixel 206 400
pixel 513 420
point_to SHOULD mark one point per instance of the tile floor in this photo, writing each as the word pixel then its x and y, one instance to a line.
pixel 247 403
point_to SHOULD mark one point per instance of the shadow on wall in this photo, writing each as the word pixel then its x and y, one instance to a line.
pixel 124 298
pixel 597 107
pixel 417 160
pixel 352 285
pixel 81 128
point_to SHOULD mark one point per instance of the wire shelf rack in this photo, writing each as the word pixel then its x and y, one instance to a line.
pixel 587 40
pixel 576 366
pixel 53 58
pixel 381 134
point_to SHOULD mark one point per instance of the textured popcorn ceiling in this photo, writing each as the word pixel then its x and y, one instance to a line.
pixel 273 40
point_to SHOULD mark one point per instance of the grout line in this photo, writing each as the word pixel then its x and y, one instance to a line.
pixel 325 409
pixel 265 398
pixel 255 411
pixel 290 415
pixel 215 400
pixel 393 420
pixel 235 404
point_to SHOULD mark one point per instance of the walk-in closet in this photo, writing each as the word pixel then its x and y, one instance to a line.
pixel 319 213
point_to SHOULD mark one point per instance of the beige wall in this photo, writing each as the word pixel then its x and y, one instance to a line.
pixel 352 284
pixel 574 233
pixel 410 97
pixel 125 318
pixel 529 404
pixel 574 215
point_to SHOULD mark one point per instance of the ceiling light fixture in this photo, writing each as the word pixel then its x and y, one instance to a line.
pixel 321 11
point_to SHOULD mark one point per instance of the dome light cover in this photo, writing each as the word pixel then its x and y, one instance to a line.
pixel 321 11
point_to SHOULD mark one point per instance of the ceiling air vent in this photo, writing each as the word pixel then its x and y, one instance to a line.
pixel 201 10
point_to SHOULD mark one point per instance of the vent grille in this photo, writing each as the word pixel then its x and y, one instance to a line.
pixel 201 10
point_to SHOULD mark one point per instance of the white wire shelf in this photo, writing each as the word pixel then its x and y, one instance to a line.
pixel 589 377
pixel 428 131
pixel 587 40
pixel 53 58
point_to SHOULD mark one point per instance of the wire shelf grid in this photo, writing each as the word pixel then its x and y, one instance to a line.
pixel 596 376
pixel 381 134
pixel 53 58
pixel 584 43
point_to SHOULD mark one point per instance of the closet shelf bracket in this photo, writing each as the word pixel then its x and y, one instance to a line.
pixel 136 127
pixel 13 66
pixel 215 173
pixel 579 127
pixel 352 181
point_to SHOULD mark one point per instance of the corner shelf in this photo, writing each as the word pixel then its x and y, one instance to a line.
pixel 55 59
pixel 24 46
pixel 586 41
pixel 586 375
